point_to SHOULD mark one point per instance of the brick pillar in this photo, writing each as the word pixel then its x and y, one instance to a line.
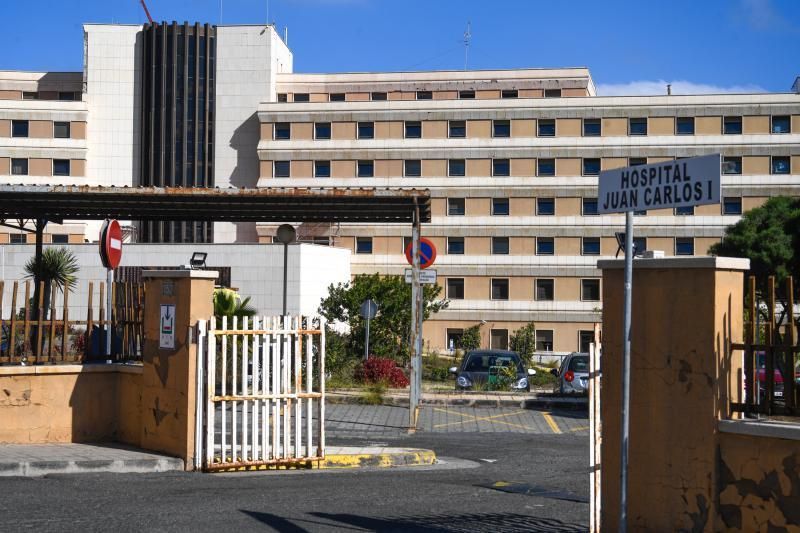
pixel 686 312
pixel 169 373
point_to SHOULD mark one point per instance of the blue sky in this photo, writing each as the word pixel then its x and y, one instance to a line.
pixel 631 47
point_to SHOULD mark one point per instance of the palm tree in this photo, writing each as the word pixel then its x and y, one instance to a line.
pixel 227 302
pixel 58 267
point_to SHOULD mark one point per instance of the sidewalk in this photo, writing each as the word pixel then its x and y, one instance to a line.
pixel 34 460
pixel 529 400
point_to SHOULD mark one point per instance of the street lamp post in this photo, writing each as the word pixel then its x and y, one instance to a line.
pixel 286 235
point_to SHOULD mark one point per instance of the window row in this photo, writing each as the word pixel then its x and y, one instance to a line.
pixel 55 129
pixel 542 167
pixel 22 238
pixel 43 95
pixel 544 245
pixel 498 339
pixel 43 167
pixel 375 96
pixel 546 206
pixel 501 128
pixel 543 291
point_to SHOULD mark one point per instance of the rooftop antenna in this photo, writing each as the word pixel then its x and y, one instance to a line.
pixel 146 12
pixel 467 37
pixel 669 89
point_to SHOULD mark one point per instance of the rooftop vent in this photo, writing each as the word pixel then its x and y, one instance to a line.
pixel 796 85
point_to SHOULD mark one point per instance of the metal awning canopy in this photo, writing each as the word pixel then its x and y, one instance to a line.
pixel 274 204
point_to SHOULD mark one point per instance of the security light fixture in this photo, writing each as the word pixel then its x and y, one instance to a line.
pixel 198 260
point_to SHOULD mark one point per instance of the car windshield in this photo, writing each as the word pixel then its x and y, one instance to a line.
pixel 579 364
pixel 482 362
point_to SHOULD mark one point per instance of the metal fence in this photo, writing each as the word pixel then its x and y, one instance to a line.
pixel 263 380
pixel 44 332
pixel 771 378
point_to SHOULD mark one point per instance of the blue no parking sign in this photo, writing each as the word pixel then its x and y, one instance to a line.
pixel 427 253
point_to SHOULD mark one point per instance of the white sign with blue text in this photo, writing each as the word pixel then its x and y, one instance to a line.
pixel 677 183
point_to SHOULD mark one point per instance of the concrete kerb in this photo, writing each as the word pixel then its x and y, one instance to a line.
pixel 85 466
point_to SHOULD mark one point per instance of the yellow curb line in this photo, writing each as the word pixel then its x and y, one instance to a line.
pixel 382 460
pixel 552 423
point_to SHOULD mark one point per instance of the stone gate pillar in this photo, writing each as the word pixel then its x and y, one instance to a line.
pixel 174 301
pixel 686 312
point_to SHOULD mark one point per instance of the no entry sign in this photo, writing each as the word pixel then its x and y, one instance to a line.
pixel 111 244
pixel 427 253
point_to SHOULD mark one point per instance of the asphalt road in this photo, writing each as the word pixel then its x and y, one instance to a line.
pixel 455 496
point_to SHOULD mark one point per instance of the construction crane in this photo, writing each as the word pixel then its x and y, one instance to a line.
pixel 146 12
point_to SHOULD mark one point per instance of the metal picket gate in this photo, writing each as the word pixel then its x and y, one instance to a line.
pixel 261 392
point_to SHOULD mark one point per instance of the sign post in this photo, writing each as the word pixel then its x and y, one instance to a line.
pixel 679 183
pixel 110 255
pixel 368 311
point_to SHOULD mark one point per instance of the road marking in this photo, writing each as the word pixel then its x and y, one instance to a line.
pixel 581 428
pixel 551 422
pixel 474 418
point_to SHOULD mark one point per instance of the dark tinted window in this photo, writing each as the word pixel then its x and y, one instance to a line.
pixel 366 169
pixel 546 167
pixel 283 131
pixel 322 169
pixel 378 96
pixel 424 95
pixel 637 126
pixel 455 288
pixel 322 130
pixel 545 290
pixel 60 238
pixel 591 166
pixel 282 97
pixel 61 130
pixel 591 246
pixel 455 206
pixel 282 169
pixel 545 206
pixel 337 97
pixel 684 246
pixel 366 130
pixel 500 246
pixel 590 206
pixel 483 361
pixel 591 127
pixel 545 246
pixel 546 128
pixel 780 165
pixel 590 290
pixel 781 124
pixel 413 129
pixel 19 128
pixel 301 97
pixel 552 93
pixel 684 125
pixel 60 167
pixel 457 129
pixel 466 95
pixel 502 128
pixel 500 206
pixel 500 167
pixel 499 289
pixel 455 245
pixel 731 165
pixel 363 245
pixel 732 206
pixel 19 167
pixel 732 126
pixel 579 363
pixel 509 93
pixel 685 210
pixel 456 167
pixel 636 161
pixel 413 168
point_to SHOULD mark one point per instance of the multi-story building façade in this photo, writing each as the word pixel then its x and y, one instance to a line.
pixel 511 158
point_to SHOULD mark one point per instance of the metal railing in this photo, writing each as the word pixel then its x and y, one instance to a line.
pixel 771 379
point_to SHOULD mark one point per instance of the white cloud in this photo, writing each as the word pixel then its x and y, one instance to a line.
pixel 659 87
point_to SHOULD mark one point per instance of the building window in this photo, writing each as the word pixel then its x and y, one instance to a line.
pixel 366 130
pixel 589 206
pixel 780 164
pixel 684 246
pixel 501 167
pixel 18 238
pixel 457 129
pixel 685 210
pixel 585 339
pixel 509 93
pixel 501 128
pixel 283 131
pixel 454 337
pixel 498 339
pixel 552 93
pixel 413 129
pixel 19 128
pixel 424 95
pixel 19 167
pixel 301 97
pixel 544 340
pixel 591 127
pixel 59 238
pixel 545 246
pixel 455 288
pixel 283 97
pixel 363 245
pixel 546 127
pixel 781 124
pixel 639 245
pixel 466 95
pixel 684 126
pixel 590 290
pixel 30 95
pixel 366 169
pixel 732 125
pixel 545 206
pixel 545 290
pixel 336 97
pixel 378 96
pixel 322 130
pixel 545 167
pixel 637 126
pixel 732 206
pixel 637 161
pixel 412 168
pixel 500 207
pixel 322 169
pixel 500 246
pixel 282 169
pixel 60 167
pixel 590 246
pixel 456 207
pixel 591 166
pixel 731 165
pixel 61 130
pixel 456 167
pixel 641 213
pixel 500 289
pixel 68 96
pixel 455 245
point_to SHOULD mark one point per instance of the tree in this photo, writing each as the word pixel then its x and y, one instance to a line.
pixel 523 341
pixel 390 330
pixel 227 302
pixel 471 339
pixel 58 268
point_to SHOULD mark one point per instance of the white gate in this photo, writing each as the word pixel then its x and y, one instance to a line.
pixel 595 431
pixel 261 392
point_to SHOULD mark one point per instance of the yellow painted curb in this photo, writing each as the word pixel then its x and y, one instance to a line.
pixel 409 458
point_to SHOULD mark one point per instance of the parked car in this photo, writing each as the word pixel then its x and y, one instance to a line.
pixel 761 376
pixel 492 370
pixel 573 375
